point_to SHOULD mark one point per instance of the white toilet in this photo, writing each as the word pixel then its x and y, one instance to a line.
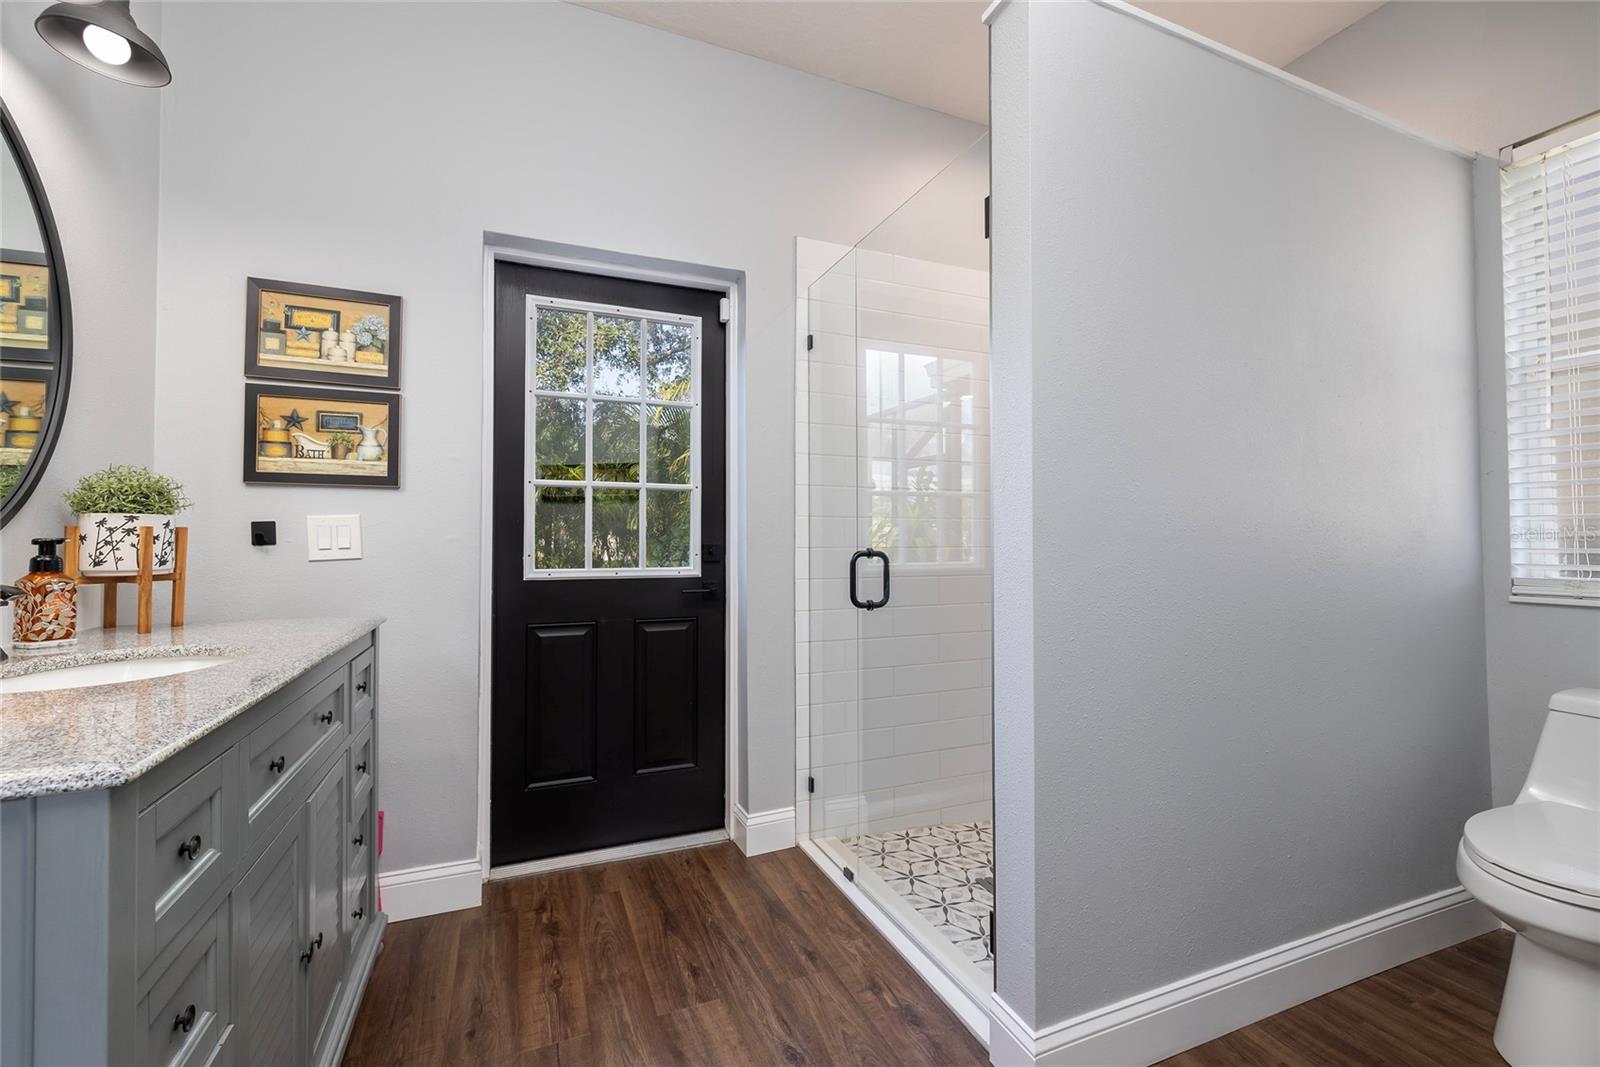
pixel 1536 865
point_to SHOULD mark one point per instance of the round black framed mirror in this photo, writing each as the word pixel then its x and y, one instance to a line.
pixel 35 325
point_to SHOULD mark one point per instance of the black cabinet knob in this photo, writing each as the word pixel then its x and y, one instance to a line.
pixel 276 765
pixel 361 768
pixel 359 840
pixel 305 957
pixel 190 849
pixel 361 687
pixel 184 1020
pixel 326 716
pixel 356 915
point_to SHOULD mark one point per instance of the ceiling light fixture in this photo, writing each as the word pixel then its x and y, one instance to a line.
pixel 103 37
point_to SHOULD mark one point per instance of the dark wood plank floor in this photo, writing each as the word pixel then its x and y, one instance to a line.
pixel 695 957
pixel 1439 1009
pixel 705 957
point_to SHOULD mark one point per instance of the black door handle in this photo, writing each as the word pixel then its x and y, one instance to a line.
pixel 708 591
pixel 869 553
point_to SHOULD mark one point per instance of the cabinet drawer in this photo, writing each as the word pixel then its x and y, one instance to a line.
pixel 183 854
pixel 363 689
pixel 361 764
pixel 277 758
pixel 184 1019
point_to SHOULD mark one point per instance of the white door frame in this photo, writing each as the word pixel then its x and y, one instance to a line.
pixel 508 249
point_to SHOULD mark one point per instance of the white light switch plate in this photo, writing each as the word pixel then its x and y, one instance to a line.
pixel 333 537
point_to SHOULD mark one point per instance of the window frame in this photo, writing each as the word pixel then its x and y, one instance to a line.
pixel 979 561
pixel 1521 376
pixel 588 484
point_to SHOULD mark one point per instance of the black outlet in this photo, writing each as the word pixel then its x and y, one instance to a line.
pixel 263 533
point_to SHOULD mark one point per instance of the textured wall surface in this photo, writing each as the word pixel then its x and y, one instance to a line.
pixel 1461 71
pixel 374 153
pixel 1257 705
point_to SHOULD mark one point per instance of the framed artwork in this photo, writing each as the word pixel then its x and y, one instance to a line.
pixel 285 442
pixel 24 305
pixel 314 333
pixel 25 398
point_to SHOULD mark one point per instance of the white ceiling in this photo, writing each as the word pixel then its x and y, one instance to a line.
pixel 934 53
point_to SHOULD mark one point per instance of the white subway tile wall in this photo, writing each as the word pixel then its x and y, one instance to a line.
pixel 894 715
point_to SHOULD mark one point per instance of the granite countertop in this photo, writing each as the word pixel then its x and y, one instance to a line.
pixel 97 737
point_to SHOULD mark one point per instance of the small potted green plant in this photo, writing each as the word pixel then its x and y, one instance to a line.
pixel 340 444
pixel 111 506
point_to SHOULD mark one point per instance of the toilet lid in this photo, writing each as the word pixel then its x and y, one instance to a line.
pixel 1553 843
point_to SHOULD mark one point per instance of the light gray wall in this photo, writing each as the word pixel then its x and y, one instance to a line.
pixel 94 142
pixel 1012 482
pixel 1476 74
pixel 373 152
pixel 1484 75
pixel 1257 705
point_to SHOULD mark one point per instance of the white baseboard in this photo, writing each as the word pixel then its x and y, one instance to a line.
pixel 1162 1022
pixel 431 890
pixel 607 855
pixel 765 831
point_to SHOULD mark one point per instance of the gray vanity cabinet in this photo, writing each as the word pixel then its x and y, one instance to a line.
pixel 218 910
pixel 326 826
pixel 268 922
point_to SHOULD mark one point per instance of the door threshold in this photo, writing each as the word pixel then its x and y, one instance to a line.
pixel 608 855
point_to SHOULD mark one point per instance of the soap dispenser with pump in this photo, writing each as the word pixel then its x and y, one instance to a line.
pixel 46 614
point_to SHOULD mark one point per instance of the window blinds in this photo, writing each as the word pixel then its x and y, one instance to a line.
pixel 1550 230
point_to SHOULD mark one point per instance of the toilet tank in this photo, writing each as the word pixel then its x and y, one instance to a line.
pixel 1566 765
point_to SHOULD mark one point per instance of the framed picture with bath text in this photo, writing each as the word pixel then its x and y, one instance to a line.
pixel 315 333
pixel 290 439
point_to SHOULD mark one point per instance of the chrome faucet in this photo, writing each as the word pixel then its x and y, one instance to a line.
pixel 8 593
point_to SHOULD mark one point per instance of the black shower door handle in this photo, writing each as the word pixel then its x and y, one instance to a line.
pixel 869 553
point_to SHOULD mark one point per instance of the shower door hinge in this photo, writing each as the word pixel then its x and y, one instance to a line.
pixel 723 312
pixel 811 341
pixel 849 875
pixel 811 785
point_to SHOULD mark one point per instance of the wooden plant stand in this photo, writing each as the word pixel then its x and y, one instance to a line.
pixel 145 580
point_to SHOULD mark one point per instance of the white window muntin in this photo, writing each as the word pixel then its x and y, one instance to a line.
pixel 532 484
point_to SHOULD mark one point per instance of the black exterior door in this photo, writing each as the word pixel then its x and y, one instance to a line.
pixel 608 715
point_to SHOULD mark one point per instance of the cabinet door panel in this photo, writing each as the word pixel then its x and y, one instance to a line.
pixel 326 827
pixel 268 938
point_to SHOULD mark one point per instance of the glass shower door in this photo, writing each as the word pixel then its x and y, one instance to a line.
pixel 899 586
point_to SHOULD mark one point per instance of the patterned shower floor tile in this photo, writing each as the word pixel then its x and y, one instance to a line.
pixel 946 872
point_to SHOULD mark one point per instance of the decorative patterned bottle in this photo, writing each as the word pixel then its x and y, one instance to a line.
pixel 46 613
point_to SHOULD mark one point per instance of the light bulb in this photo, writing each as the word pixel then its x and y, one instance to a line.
pixel 107 47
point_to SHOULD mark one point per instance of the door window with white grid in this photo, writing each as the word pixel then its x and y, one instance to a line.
pixel 613 435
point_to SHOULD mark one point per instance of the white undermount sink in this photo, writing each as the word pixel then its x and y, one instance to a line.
pixel 122 670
